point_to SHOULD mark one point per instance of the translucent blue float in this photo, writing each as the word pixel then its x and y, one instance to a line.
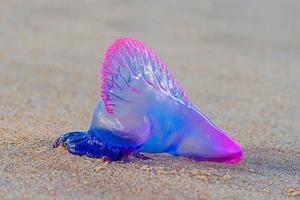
pixel 144 109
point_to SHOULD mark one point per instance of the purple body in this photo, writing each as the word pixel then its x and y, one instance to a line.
pixel 144 109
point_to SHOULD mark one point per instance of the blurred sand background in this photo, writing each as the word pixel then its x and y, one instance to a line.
pixel 239 61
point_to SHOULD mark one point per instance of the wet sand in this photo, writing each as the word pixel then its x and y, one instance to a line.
pixel 238 62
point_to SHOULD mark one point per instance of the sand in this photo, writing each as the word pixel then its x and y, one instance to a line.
pixel 238 62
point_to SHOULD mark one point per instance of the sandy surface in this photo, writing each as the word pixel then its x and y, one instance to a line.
pixel 239 62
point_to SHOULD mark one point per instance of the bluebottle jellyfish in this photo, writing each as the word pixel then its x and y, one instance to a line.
pixel 144 109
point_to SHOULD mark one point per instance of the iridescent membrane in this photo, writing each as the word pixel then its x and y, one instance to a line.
pixel 144 109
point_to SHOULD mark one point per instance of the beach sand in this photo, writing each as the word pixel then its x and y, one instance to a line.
pixel 238 62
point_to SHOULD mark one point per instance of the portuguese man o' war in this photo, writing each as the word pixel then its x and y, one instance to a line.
pixel 144 109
